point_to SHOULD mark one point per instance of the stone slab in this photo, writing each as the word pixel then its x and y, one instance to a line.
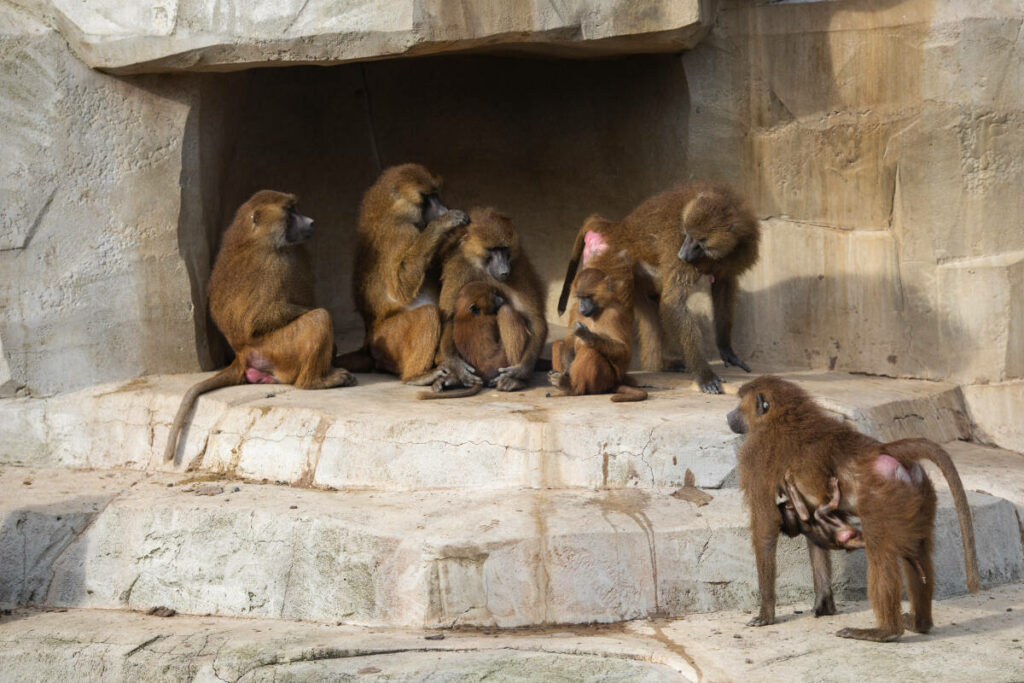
pixel 423 559
pixel 377 436
pixel 994 471
pixel 997 413
pixel 977 637
pixel 171 35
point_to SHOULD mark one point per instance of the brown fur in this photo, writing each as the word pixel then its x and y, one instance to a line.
pixel 717 229
pixel 793 438
pixel 595 357
pixel 402 227
pixel 489 251
pixel 488 335
pixel 261 298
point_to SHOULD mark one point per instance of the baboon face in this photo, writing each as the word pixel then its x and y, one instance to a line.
pixel 491 243
pixel 767 400
pixel 593 292
pixel 275 219
pixel 415 192
pixel 710 226
pixel 478 298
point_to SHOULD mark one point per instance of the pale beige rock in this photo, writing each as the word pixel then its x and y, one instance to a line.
pixel 997 413
pixel 164 35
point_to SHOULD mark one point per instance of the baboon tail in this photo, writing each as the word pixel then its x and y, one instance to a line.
pixel 570 271
pixel 626 394
pixel 229 376
pixel 451 393
pixel 941 458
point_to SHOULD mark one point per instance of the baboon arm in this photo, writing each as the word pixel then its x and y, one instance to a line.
pixel 723 303
pixel 678 322
pixel 412 266
pixel 612 349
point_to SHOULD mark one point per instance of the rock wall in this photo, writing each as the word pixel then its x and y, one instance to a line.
pixel 880 142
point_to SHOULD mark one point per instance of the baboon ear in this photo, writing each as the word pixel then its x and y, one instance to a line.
pixel 762 404
pixel 256 217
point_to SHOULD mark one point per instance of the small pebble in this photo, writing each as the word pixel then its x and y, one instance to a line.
pixel 235 490
pixel 293 507
pixel 436 636
pixel 749 661
pixel 737 636
pixel 1009 609
pixel 798 611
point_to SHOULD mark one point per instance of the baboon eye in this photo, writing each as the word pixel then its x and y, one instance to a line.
pixel 762 404
pixel 474 309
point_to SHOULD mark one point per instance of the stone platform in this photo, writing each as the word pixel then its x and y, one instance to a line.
pixel 377 436
pixel 522 557
pixel 976 637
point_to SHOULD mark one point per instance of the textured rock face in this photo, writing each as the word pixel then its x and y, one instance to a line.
pixel 161 35
pixel 885 144
pixel 882 146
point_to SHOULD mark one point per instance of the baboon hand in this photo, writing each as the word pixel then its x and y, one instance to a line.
pixel 512 378
pixel 555 378
pixel 582 331
pixel 710 383
pixel 451 220
pixel 459 373
pixel 729 358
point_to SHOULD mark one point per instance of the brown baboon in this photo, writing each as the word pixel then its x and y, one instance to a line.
pixel 402 227
pixel 794 449
pixel 488 335
pixel 595 357
pixel 674 239
pixel 489 251
pixel 261 298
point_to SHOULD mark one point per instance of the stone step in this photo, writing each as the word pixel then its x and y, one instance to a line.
pixel 122 539
pixel 377 436
pixel 976 637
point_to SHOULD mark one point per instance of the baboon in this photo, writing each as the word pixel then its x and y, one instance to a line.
pixel 674 239
pixel 261 299
pixel 830 528
pixel 595 357
pixel 489 251
pixel 883 484
pixel 402 227
pixel 488 335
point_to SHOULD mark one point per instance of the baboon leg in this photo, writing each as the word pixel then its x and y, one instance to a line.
pixel 884 587
pixel 920 585
pixel 765 537
pixel 648 329
pixel 558 356
pixel 821 568
pixel 300 353
pixel 515 334
pixel 681 328
pixel 405 343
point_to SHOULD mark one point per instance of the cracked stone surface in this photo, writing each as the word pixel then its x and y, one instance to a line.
pixel 976 637
pixel 376 435
pixel 508 558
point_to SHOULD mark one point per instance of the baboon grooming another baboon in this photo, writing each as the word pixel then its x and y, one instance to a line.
pixel 402 227
pixel 794 449
pixel 674 239
pixel 261 299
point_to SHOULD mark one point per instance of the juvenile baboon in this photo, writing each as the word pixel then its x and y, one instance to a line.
pixel 794 449
pixel 402 226
pixel 595 357
pixel 489 251
pixel 488 335
pixel 261 299
pixel 674 239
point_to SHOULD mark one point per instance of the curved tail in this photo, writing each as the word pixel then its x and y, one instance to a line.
pixel 915 448
pixel 570 271
pixel 625 393
pixel 451 393
pixel 228 377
